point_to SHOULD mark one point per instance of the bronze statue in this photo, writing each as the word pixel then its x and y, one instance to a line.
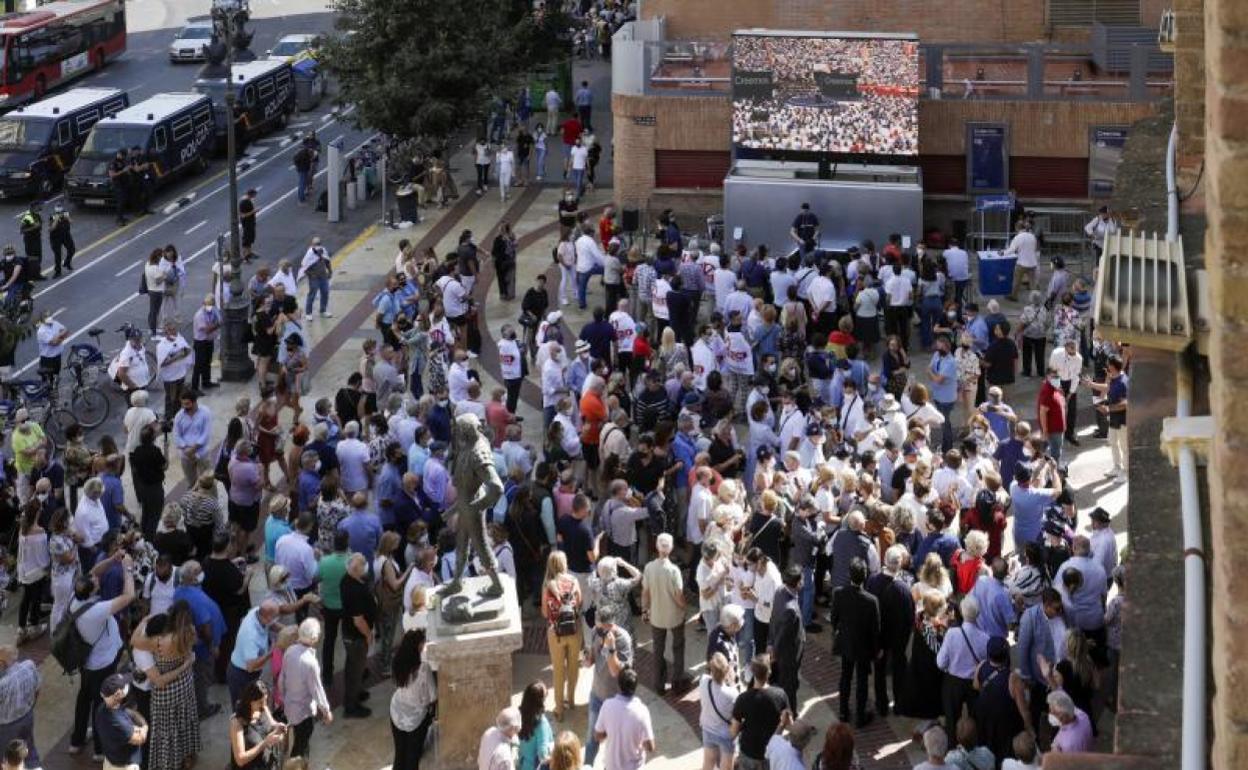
pixel 479 487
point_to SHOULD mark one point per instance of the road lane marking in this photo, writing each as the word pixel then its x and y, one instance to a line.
pixel 193 228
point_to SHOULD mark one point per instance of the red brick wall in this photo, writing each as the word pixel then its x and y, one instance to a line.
pixel 980 21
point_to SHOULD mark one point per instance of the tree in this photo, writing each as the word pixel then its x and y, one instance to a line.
pixel 426 68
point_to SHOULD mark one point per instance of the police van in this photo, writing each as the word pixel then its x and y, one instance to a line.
pixel 175 130
pixel 264 94
pixel 39 142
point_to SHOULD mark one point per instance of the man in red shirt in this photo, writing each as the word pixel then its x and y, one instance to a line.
pixel 571 129
pixel 1051 407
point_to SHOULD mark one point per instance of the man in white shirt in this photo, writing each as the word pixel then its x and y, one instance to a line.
pixel 506 161
pixel 1069 365
pixel 1102 225
pixel 51 336
pixel 900 291
pixel 1026 248
pixel 579 160
pixel 353 468
pixel 623 727
pixel 724 281
pixel 740 301
pixel 823 305
pixel 958 262
pixel 174 359
pixel 554 382
pixel 554 103
pixel 454 298
pixel 457 378
pixel 131 364
pixel 704 361
pixel 590 261
pixel 625 335
pixel 498 744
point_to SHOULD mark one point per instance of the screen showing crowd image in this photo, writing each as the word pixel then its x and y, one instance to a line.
pixel 828 94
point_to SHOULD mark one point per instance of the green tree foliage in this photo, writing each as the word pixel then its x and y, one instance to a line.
pixel 426 68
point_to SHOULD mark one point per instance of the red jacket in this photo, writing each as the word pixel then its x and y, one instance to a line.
pixel 1055 400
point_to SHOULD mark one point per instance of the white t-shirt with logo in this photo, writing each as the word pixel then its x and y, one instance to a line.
pixel 740 359
pixel 659 297
pixel 509 359
pixel 625 331
pixel 166 349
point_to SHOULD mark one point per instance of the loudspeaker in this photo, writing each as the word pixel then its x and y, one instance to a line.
pixel 630 220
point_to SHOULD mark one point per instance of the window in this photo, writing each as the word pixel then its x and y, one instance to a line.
pixel 283 79
pixel 266 88
pixel 64 136
pixel 181 128
pixel 115 106
pixel 249 96
pixel 87 119
pixel 203 116
pixel 158 139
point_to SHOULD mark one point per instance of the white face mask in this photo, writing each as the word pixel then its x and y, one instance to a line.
pixel 1055 382
pixel 1055 721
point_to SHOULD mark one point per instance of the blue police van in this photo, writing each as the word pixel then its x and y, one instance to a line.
pixel 39 142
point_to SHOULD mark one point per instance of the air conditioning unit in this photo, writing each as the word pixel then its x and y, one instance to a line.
pixel 1142 292
pixel 1166 32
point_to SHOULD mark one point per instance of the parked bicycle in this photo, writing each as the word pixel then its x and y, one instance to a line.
pixel 87 401
pixel 42 403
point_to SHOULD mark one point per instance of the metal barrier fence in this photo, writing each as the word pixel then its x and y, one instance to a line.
pixel 1059 230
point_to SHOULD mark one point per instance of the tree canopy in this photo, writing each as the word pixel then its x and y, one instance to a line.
pixel 425 68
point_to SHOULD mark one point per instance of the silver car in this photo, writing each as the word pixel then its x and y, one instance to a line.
pixel 190 43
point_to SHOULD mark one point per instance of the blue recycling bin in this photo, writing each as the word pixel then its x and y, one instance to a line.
pixel 996 276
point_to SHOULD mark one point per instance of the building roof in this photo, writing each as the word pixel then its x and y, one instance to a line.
pixel 20 21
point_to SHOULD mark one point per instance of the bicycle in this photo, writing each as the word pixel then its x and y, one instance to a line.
pixel 91 357
pixel 87 401
pixel 42 404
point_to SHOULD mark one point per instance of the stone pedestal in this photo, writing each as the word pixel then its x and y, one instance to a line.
pixel 473 663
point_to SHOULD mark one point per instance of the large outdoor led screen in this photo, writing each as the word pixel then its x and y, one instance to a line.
pixel 799 92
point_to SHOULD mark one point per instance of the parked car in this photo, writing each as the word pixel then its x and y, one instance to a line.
pixel 293 47
pixel 190 43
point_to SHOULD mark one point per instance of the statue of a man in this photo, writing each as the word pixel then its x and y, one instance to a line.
pixel 476 479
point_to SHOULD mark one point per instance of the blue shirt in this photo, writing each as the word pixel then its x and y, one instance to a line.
pixel 1009 454
pixel 387 304
pixel 583 97
pixel 945 392
pixel 1034 638
pixel 417 456
pixel 252 640
pixel 1028 506
pixel 438 421
pixel 978 329
pixel 942 543
pixel 363 532
pixel 1086 607
pixel 389 487
pixel 113 500
pixel 274 528
pixel 193 430
pixel 309 488
pixel 685 450
pixel 996 611
pixel 963 649
pixel 203 610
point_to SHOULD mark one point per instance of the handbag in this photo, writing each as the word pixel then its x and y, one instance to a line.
pixel 142 282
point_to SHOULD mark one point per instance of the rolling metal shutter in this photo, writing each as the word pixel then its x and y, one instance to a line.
pixel 1049 177
pixel 691 169
pixel 1082 13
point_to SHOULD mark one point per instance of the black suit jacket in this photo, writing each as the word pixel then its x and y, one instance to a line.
pixel 855 623
pixel 786 635
pixel 896 610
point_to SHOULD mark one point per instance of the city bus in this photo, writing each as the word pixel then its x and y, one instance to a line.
pixel 57 42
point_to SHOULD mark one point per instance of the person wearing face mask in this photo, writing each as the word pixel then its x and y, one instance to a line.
pixel 1051 412
pixel 580 368
pixel 943 371
pixel 210 629
pixel 318 268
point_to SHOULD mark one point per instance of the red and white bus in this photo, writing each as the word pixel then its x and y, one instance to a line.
pixel 57 42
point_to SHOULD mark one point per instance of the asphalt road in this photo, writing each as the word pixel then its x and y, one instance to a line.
pixel 102 290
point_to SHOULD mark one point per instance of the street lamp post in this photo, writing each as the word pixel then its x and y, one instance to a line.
pixel 229 20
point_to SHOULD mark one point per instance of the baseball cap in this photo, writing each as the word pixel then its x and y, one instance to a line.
pixel 814 429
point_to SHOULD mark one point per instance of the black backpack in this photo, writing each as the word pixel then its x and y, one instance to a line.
pixel 566 621
pixel 68 646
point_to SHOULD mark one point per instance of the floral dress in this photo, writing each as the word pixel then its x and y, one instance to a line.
pixel 1065 324
pixel 968 368
pixel 328 515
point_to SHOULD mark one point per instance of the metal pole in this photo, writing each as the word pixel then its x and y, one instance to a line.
pixel 381 173
pixel 231 141
pixel 236 364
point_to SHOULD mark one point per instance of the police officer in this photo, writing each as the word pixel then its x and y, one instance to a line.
pixel 119 179
pixel 141 179
pixel 61 238
pixel 32 240
pixel 805 229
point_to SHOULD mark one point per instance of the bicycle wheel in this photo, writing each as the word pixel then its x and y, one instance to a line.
pixel 90 406
pixel 55 423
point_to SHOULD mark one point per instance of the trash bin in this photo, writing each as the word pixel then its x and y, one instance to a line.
pixel 996 274
pixel 309 84
pixel 405 198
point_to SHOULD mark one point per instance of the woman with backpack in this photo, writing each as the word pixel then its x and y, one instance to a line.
pixel 561 606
